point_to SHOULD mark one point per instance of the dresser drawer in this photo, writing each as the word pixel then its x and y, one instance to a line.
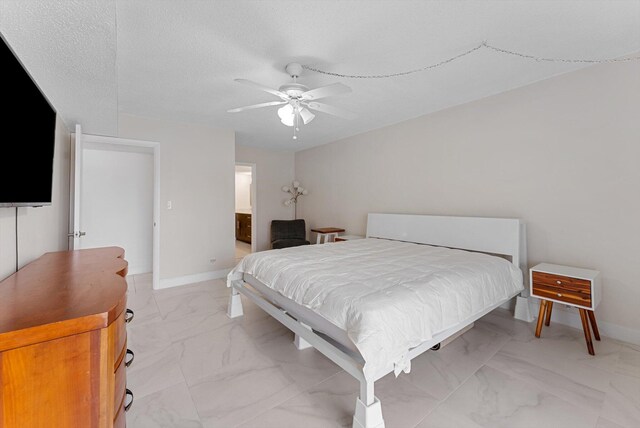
pixel 121 358
pixel 120 385
pixel 562 295
pixel 120 421
pixel 581 285
pixel 119 338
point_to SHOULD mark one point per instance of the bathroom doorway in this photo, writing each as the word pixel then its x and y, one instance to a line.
pixel 245 210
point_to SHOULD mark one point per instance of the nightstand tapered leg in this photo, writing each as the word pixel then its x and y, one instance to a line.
pixel 547 319
pixel 587 331
pixel 594 325
pixel 543 306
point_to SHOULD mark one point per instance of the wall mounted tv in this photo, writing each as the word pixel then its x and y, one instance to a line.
pixel 27 138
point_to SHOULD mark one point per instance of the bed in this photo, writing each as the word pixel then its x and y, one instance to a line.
pixel 372 305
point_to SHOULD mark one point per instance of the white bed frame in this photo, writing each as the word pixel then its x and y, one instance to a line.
pixel 504 237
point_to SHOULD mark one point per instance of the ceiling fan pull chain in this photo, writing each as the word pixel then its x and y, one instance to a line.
pixel 296 127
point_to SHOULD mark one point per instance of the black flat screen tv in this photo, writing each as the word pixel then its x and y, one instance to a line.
pixel 27 136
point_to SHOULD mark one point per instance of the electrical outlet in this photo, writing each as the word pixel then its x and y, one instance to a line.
pixel 169 205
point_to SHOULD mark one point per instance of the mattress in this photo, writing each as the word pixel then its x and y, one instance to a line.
pixel 387 296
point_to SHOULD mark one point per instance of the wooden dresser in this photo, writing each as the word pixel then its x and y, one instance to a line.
pixel 243 227
pixel 63 341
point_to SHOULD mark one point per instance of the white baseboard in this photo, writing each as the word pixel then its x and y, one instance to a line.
pixel 570 317
pixel 190 279
pixel 137 270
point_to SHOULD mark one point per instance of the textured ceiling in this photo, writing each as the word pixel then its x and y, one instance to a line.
pixel 177 59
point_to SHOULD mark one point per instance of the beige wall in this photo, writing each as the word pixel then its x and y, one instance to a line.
pixel 41 229
pixel 274 169
pixel 562 154
pixel 197 176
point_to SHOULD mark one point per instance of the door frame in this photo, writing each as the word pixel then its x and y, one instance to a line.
pixel 155 146
pixel 254 203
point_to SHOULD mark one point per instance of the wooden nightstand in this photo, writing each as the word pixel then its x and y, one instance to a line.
pixel 328 233
pixel 569 286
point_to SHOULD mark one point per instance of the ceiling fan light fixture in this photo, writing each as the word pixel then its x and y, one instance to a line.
pixel 298 100
pixel 287 121
pixel 286 115
pixel 306 115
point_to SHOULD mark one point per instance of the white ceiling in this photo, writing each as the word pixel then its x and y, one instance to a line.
pixel 177 59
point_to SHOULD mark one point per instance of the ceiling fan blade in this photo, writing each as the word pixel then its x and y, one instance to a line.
pixel 270 103
pixel 335 111
pixel 263 88
pixel 325 91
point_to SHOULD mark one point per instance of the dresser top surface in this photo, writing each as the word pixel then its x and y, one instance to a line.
pixel 63 293
pixel 569 271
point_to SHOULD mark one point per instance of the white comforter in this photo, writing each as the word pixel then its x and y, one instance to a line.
pixel 388 296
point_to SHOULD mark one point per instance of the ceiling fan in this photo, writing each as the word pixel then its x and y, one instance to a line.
pixel 297 100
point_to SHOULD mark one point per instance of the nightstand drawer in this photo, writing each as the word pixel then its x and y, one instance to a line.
pixel 562 281
pixel 569 288
pixel 562 294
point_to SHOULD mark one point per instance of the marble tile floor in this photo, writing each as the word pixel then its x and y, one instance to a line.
pixel 242 249
pixel 194 367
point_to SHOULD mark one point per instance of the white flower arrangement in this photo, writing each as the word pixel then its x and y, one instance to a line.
pixel 295 190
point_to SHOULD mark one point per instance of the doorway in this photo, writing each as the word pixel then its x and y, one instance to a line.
pixel 245 210
pixel 115 189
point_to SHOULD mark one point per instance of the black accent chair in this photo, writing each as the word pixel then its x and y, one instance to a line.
pixel 288 233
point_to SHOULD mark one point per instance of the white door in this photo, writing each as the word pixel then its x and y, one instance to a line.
pixel 77 233
pixel 117 201
pixel 116 195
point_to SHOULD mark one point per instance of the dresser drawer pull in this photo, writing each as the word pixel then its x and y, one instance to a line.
pixel 559 295
pixel 128 405
pixel 558 282
pixel 128 315
pixel 127 362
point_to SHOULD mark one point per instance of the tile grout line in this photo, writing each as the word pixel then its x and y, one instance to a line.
pixel 191 395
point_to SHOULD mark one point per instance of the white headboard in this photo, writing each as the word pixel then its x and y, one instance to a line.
pixel 504 236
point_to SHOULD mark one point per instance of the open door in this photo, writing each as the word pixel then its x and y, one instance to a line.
pixel 76 182
pixel 87 230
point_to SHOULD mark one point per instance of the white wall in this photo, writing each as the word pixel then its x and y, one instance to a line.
pixel 41 229
pixel 197 175
pixel 274 169
pixel 562 154
pixel 117 203
pixel 243 192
